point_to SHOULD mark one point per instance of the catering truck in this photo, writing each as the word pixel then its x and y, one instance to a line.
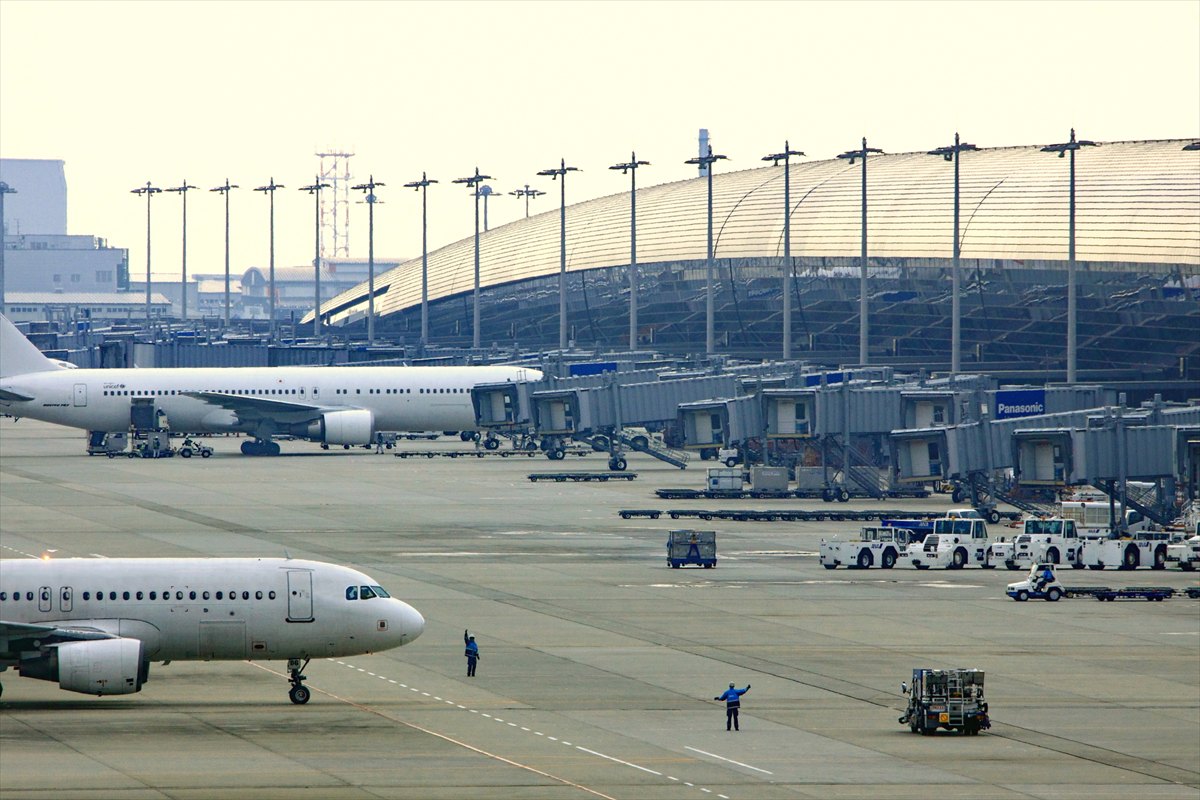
pixel 954 544
pixel 945 698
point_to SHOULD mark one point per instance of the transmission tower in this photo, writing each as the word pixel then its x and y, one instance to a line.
pixel 335 204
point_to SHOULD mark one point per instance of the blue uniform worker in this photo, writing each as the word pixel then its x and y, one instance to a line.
pixel 472 654
pixel 733 702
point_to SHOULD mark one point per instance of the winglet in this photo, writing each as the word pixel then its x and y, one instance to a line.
pixel 18 355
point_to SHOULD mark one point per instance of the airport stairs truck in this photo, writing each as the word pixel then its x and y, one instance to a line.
pixel 945 698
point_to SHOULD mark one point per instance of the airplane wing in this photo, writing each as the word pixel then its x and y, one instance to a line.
pixel 18 637
pixel 262 407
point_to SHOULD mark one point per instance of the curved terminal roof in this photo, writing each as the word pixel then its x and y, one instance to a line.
pixel 1137 203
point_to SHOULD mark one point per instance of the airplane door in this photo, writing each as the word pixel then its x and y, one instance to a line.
pixel 64 598
pixel 44 595
pixel 80 395
pixel 299 596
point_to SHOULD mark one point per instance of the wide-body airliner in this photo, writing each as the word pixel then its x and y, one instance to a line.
pixel 330 405
pixel 94 625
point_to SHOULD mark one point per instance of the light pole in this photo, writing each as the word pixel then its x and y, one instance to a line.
pixel 225 191
pixel 4 189
pixel 862 281
pixel 369 188
pixel 555 173
pixel 1062 150
pixel 631 167
pixel 315 191
pixel 952 153
pixel 182 189
pixel 705 163
pixel 472 182
pixel 486 192
pixel 785 157
pixel 423 186
pixel 149 191
pixel 269 189
pixel 526 193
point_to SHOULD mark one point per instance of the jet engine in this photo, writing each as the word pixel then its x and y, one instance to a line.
pixel 99 666
pixel 355 426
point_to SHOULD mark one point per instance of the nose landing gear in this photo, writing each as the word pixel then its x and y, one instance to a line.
pixel 299 693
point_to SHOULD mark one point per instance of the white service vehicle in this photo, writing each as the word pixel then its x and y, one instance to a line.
pixel 954 544
pixel 1054 541
pixel 1143 549
pixel 1041 584
pixel 1185 553
pixel 875 546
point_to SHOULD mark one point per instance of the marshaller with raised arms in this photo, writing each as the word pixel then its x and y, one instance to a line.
pixel 334 406
pixel 94 625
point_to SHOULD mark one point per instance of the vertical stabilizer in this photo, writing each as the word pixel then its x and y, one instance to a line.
pixel 18 355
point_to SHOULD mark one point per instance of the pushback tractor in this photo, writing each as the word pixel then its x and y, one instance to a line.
pixel 945 698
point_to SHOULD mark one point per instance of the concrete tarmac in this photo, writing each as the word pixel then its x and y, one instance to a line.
pixel 599 662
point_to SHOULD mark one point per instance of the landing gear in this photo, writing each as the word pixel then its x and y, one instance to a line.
pixel 260 447
pixel 617 464
pixel 299 693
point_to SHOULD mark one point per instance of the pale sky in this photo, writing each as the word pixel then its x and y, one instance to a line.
pixel 130 92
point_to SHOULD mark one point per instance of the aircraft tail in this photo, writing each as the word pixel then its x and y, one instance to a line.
pixel 18 355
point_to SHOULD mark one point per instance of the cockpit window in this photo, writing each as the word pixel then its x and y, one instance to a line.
pixel 351 592
pixel 365 593
pixel 380 592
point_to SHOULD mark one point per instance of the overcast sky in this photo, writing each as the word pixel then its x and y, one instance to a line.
pixel 167 91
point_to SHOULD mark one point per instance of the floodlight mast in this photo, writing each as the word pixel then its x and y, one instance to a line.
pixel 423 187
pixel 631 167
pixel 225 191
pixel 555 173
pixel 149 191
pixel 788 269
pixel 1062 150
pixel 953 153
pixel 705 163
pixel 527 193
pixel 315 191
pixel 863 325
pixel 472 182
pixel 4 189
pixel 269 190
pixel 182 190
pixel 369 187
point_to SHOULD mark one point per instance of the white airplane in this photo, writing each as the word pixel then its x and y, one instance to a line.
pixel 94 625
pixel 330 405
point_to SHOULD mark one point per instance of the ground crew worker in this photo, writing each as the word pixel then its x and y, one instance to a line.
pixel 1046 578
pixel 379 441
pixel 472 654
pixel 733 702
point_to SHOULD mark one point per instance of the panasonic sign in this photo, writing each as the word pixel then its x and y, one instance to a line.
pixel 1020 403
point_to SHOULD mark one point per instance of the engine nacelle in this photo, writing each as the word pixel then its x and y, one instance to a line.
pixel 100 666
pixel 354 426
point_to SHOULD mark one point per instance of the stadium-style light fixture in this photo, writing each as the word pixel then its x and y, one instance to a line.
pixel 472 182
pixel 788 269
pixel 315 190
pixel 369 187
pixel 269 190
pixel 1062 150
pixel 182 190
pixel 225 189
pixel 149 191
pixel 423 187
pixel 630 167
pixel 527 193
pixel 863 324
pixel 705 163
pixel 555 173
pixel 953 153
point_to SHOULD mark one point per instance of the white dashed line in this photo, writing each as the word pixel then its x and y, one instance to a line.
pixel 723 758
pixel 617 760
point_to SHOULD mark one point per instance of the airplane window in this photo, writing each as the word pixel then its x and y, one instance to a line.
pixel 379 590
pixel 270 595
pixel 45 594
pixel 365 593
pixel 179 595
pixel 139 595
pixel 29 596
pixel 351 592
pixel 111 596
pixel 153 596
pixel 204 596
pixel 3 596
pixel 191 595
pixel 220 595
pixel 245 595
pixel 124 595
pixel 258 595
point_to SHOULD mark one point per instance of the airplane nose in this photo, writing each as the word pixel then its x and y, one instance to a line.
pixel 412 624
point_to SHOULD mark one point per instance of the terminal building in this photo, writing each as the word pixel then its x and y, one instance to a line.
pixel 1137 242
